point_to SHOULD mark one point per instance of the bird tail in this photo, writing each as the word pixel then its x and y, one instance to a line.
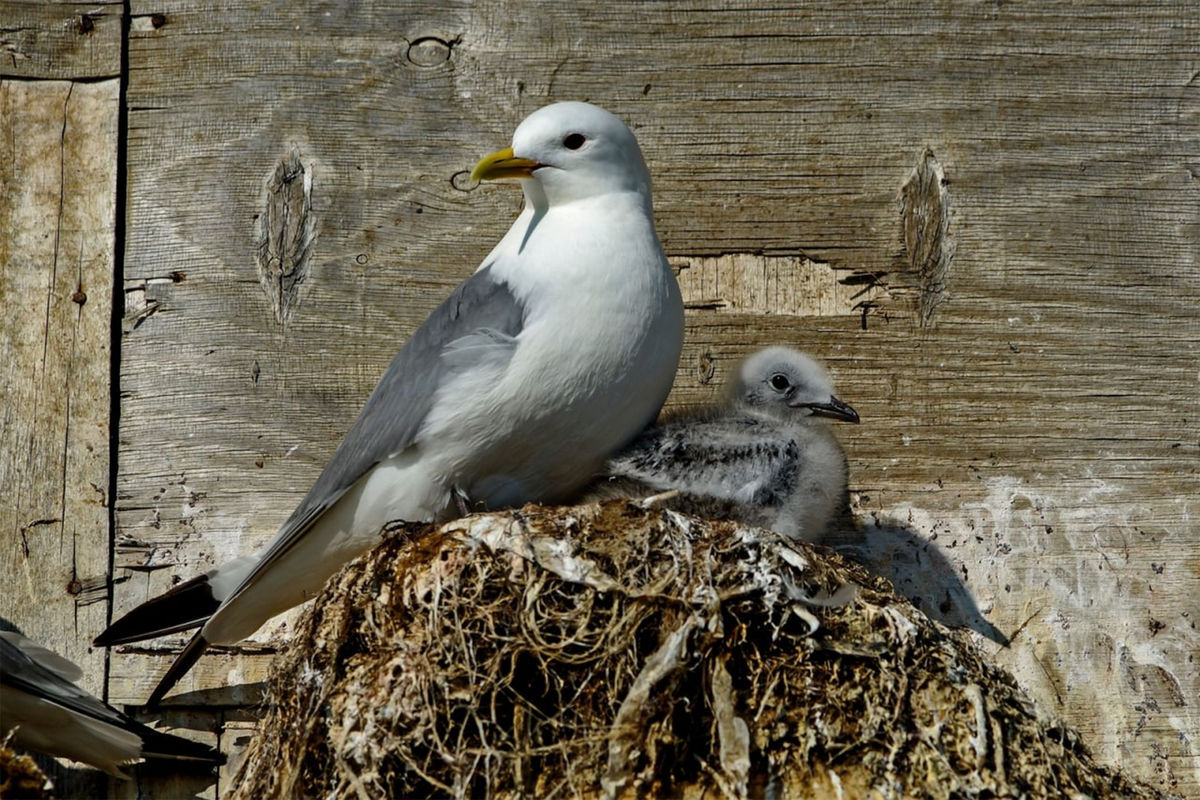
pixel 186 606
pixel 156 744
pixel 183 662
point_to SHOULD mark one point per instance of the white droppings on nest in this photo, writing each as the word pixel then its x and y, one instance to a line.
pixel 551 553
pixel 309 676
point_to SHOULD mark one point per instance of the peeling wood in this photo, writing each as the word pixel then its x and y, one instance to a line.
pixel 137 309
pixel 747 283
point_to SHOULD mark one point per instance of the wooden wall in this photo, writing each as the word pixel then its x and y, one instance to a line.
pixel 985 216
pixel 59 119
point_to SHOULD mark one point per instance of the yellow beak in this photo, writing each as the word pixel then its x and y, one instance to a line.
pixel 504 164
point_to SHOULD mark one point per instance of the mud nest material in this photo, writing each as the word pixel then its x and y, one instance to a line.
pixel 622 651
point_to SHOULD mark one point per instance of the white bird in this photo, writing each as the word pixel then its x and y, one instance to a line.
pixel 766 458
pixel 552 356
pixel 50 714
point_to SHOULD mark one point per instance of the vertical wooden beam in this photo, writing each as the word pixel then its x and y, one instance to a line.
pixel 58 181
pixel 59 126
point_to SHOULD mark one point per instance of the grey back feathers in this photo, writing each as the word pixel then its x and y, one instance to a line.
pixel 765 458
pixel 476 325
pixel 481 317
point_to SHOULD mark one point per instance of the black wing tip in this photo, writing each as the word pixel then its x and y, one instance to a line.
pixel 186 606
pixel 113 634
pixel 995 634
pixel 184 662
pixel 159 745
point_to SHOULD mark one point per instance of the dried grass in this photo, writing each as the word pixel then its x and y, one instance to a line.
pixel 622 651
pixel 20 775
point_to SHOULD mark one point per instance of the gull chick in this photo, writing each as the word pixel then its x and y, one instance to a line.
pixel 766 458
pixel 50 714
pixel 559 349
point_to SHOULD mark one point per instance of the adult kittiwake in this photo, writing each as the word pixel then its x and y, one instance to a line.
pixel 559 349
pixel 49 713
pixel 766 457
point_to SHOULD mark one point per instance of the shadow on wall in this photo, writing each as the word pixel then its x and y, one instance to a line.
pixel 918 569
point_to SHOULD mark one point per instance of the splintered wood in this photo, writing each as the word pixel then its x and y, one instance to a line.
pixel 745 283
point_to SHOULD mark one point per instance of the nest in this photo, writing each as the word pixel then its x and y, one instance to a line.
pixel 615 650
pixel 20 775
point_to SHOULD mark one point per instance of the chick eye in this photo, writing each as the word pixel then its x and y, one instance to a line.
pixel 574 141
pixel 779 382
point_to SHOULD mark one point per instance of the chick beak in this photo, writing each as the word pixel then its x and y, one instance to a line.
pixel 834 409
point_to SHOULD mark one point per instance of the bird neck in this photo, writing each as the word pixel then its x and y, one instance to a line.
pixel 539 200
pixel 535 196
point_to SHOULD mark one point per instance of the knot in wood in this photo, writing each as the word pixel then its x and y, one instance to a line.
pixel 287 230
pixel 429 51
pixel 461 181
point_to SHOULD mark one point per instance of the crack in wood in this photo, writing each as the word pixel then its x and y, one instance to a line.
pixel 64 476
pixel 26 528
pixel 47 326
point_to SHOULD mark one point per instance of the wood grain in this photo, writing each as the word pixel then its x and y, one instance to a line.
pixel 1035 442
pixel 58 181
pixel 60 40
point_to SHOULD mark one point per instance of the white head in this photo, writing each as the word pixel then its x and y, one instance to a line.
pixel 570 151
pixel 786 384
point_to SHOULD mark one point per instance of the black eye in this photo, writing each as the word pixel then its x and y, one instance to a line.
pixel 574 141
pixel 779 382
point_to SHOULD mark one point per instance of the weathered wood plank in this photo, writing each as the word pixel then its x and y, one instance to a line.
pixel 58 181
pixel 60 40
pixel 1033 439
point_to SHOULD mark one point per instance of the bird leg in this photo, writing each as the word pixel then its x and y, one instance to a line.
pixel 659 499
pixel 461 501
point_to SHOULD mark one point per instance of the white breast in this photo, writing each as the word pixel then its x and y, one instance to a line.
pixel 593 365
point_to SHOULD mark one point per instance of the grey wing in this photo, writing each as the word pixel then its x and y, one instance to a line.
pixel 730 458
pixel 478 322
pixel 21 667
pixel 91 730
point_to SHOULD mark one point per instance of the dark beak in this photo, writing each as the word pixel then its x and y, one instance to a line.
pixel 834 409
